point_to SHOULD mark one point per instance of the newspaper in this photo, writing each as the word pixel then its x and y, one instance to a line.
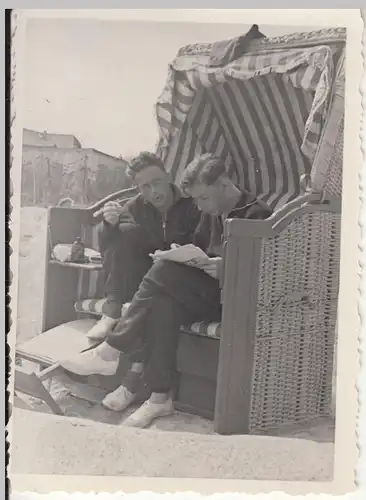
pixel 185 254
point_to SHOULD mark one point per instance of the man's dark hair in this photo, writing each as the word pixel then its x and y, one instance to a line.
pixel 142 161
pixel 205 169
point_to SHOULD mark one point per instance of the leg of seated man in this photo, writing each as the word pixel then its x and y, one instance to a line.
pixel 170 294
pixel 126 393
pixel 164 320
pixel 125 262
pixel 195 290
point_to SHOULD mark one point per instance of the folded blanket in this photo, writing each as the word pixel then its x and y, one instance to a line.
pixel 226 51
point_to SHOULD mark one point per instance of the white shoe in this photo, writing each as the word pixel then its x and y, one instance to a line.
pixel 119 399
pixel 148 412
pixel 101 329
pixel 92 363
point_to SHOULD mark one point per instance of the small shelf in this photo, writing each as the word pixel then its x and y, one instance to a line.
pixel 90 266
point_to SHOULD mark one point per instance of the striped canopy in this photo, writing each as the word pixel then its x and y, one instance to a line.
pixel 263 114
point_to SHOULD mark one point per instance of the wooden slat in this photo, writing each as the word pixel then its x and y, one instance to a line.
pixel 124 194
pixel 50 372
pixel 235 374
pixel 64 226
pixel 198 356
pixel 194 410
pixel 196 395
pixel 28 383
pixel 19 403
pixel 87 266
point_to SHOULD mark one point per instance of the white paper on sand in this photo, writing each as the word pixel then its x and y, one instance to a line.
pixel 185 254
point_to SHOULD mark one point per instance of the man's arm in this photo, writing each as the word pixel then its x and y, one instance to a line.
pixel 113 216
pixel 128 212
pixel 212 267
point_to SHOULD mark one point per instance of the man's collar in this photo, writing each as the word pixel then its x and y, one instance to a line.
pixel 177 194
pixel 245 200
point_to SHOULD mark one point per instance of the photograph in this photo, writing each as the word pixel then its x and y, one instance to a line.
pixel 179 252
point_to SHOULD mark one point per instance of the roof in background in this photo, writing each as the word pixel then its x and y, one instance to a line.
pixel 91 150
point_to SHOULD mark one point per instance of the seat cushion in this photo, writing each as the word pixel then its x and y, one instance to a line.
pixel 95 306
pixel 202 328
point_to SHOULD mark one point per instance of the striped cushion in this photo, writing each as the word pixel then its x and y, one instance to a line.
pixel 204 328
pixel 96 307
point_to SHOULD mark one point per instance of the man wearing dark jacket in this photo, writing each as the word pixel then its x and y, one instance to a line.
pixel 154 219
pixel 172 294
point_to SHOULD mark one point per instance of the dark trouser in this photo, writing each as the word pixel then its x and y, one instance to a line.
pixel 125 262
pixel 169 295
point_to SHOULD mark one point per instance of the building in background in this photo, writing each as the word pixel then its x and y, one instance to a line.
pixel 55 166
pixel 33 138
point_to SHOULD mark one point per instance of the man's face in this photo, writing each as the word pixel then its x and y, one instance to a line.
pixel 154 185
pixel 209 199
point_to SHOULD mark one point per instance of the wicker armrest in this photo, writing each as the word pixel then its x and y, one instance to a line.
pixel 273 225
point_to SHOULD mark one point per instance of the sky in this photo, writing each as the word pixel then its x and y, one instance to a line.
pixel 99 80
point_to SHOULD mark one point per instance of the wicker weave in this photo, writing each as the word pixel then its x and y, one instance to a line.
pixel 333 179
pixel 305 39
pixel 296 316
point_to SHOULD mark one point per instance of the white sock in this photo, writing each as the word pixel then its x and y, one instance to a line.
pixel 137 367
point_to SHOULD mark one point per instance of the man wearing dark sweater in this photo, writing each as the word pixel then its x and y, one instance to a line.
pixel 171 294
pixel 152 220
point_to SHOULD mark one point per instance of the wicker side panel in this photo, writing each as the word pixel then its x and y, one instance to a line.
pixel 333 179
pixel 295 325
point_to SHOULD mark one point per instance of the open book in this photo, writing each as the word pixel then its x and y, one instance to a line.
pixel 186 254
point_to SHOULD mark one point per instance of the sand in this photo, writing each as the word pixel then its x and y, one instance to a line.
pixel 59 445
pixel 93 440
pixel 32 254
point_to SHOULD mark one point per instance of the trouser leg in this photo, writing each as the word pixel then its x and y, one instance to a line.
pixel 169 295
pixel 195 290
pixel 125 262
pixel 162 339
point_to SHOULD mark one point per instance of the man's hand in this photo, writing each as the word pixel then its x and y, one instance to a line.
pixel 157 255
pixel 111 212
pixel 212 266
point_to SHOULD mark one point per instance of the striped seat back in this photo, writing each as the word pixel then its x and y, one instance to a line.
pixel 264 114
pixel 92 282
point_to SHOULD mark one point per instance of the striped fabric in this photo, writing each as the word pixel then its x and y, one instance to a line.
pixel 204 329
pixel 96 307
pixel 263 114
